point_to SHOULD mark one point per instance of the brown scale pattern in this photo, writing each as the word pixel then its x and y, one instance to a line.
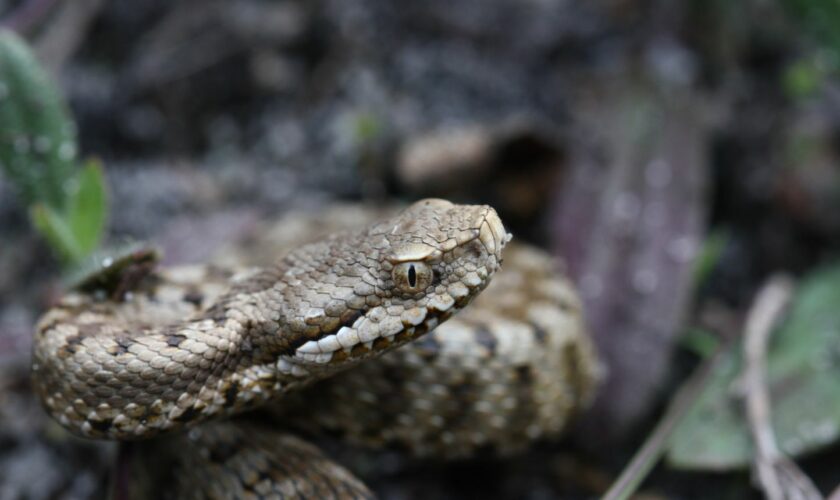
pixel 227 460
pixel 512 368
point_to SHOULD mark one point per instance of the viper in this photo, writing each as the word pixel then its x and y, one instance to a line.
pixel 179 349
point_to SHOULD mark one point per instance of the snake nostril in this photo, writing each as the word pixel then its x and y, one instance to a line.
pixel 497 227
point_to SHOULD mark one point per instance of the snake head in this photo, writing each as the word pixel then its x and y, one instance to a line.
pixel 367 292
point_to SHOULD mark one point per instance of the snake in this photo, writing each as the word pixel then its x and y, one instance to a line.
pixel 354 333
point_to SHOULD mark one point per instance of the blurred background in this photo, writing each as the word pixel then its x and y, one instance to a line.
pixel 674 154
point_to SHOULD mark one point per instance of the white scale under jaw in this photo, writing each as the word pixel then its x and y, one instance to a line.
pixel 321 351
pixel 363 331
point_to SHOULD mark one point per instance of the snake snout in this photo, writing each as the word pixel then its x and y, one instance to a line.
pixel 492 233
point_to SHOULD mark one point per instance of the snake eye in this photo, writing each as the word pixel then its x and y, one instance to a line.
pixel 412 277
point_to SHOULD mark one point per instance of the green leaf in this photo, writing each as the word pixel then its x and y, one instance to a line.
pixel 68 205
pixel 57 231
pixel 37 138
pixel 803 367
pixel 87 208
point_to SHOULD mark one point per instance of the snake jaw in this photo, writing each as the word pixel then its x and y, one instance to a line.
pixel 460 246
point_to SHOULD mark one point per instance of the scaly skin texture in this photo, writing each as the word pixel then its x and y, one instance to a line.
pixel 152 362
pixel 224 460
pixel 513 367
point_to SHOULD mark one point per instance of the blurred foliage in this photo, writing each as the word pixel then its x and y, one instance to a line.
pixel 367 127
pixel 710 255
pixel 76 231
pixel 38 147
pixel 38 140
pixel 803 368
pixel 820 19
pixel 700 341
pixel 803 78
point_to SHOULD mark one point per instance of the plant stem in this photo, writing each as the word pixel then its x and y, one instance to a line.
pixel 651 451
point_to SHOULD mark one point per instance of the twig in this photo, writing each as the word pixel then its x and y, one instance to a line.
pixel 651 451
pixel 778 476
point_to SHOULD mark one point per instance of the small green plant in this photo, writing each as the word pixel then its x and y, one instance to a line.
pixel 67 200
pixel 802 372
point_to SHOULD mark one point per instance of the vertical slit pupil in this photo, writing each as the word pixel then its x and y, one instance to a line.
pixel 412 276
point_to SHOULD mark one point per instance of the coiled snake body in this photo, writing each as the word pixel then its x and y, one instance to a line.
pixel 190 344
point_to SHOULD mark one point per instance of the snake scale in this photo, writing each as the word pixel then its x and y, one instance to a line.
pixel 189 344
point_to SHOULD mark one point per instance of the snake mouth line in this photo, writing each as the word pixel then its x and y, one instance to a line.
pixel 366 337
